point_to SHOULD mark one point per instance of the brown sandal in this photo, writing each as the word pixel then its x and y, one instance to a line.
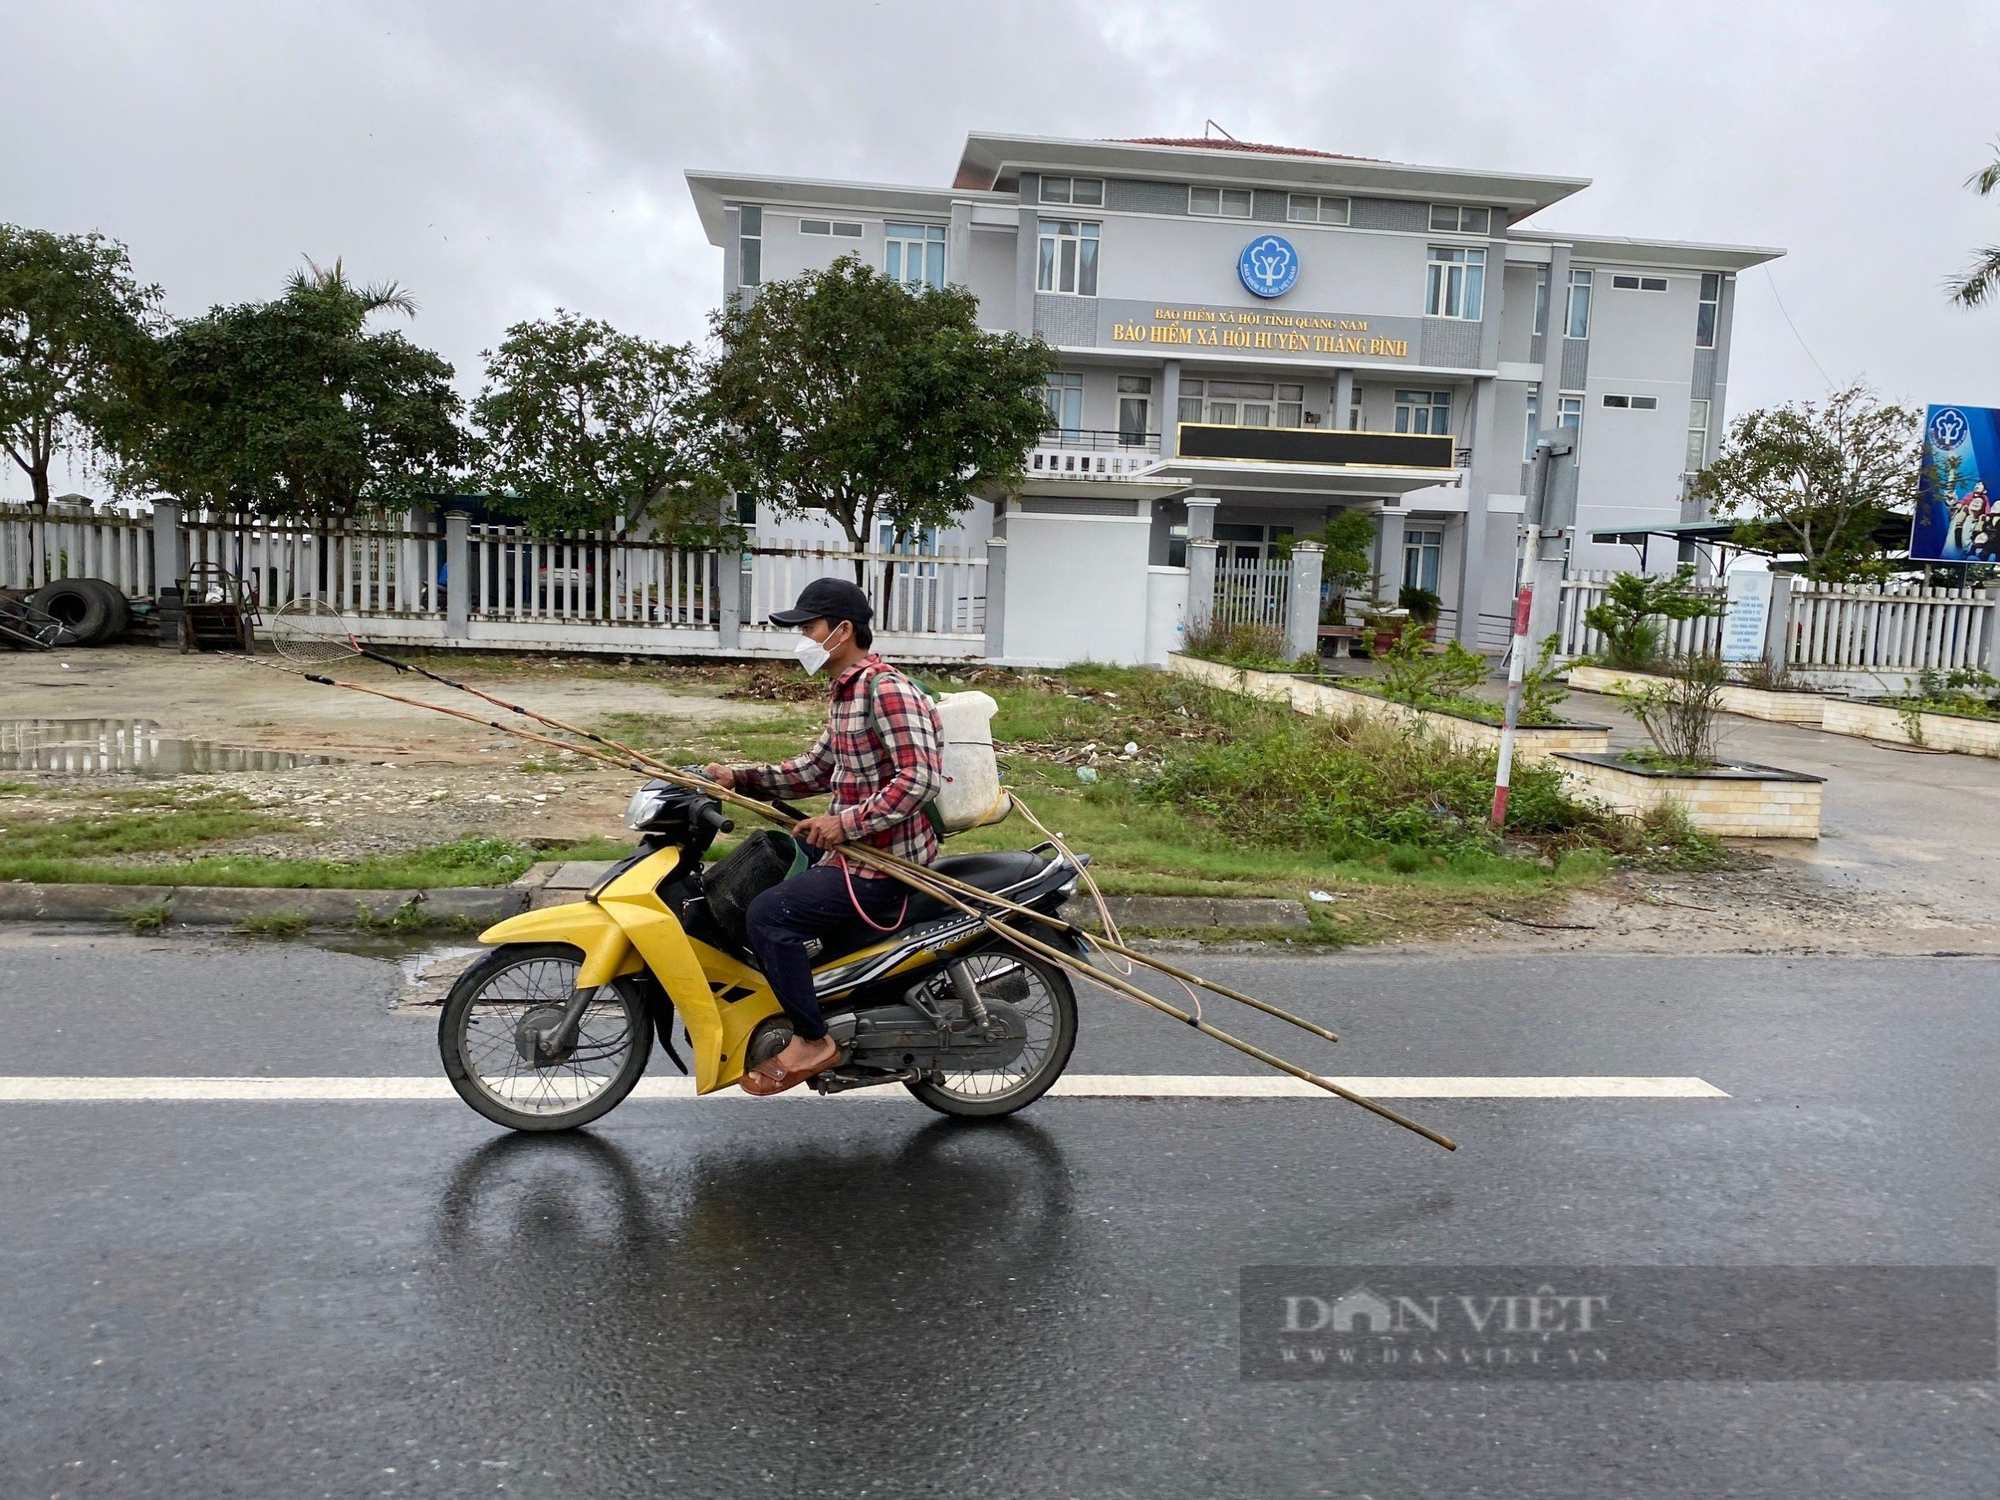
pixel 769 1078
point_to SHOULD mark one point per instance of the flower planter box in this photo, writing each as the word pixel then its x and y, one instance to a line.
pixel 1312 697
pixel 1936 731
pixel 1778 705
pixel 1734 800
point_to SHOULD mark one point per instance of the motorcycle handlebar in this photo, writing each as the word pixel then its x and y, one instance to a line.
pixel 710 817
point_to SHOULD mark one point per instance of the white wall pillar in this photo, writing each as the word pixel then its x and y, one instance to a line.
pixel 1389 555
pixel 457 574
pixel 1302 609
pixel 996 598
pixel 1201 584
pixel 1201 516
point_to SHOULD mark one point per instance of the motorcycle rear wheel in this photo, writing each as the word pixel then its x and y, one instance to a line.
pixel 1048 1006
pixel 477 1037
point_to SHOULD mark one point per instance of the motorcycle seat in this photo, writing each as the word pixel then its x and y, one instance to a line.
pixel 996 871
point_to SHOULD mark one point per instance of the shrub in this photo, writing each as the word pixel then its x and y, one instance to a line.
pixel 1352 786
pixel 1414 674
pixel 1633 605
pixel 1541 690
pixel 1261 648
pixel 1680 715
pixel 1963 690
pixel 1423 605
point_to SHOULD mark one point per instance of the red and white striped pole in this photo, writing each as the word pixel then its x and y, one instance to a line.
pixel 1516 669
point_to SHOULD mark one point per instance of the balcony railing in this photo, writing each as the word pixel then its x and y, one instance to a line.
pixel 1092 453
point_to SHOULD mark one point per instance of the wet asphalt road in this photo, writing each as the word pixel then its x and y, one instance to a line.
pixel 708 1299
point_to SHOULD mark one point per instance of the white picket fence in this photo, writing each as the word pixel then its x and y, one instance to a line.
pixel 1874 629
pixel 1901 628
pixel 39 549
pixel 1583 592
pixel 586 592
pixel 1253 592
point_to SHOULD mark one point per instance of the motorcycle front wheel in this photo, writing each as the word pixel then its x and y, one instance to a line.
pixel 485 1038
pixel 1041 993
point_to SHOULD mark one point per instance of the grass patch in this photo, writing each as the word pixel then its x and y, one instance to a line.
pixel 150 917
pixel 144 823
pixel 409 916
pixel 275 924
pixel 473 861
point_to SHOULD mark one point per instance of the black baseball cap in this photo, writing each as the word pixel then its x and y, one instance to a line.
pixel 827 599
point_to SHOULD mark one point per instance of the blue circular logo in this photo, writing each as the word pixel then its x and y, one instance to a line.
pixel 1948 427
pixel 1268 265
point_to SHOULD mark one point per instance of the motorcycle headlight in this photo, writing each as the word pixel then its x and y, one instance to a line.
pixel 646 804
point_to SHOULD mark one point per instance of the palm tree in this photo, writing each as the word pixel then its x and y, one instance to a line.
pixel 1981 280
pixel 359 301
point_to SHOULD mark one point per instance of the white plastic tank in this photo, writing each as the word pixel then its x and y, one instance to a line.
pixel 972 794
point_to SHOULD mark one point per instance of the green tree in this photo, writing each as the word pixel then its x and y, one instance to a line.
pixel 1976 285
pixel 1349 539
pixel 74 335
pixel 1817 479
pixel 293 408
pixel 582 428
pixel 841 391
pixel 1633 605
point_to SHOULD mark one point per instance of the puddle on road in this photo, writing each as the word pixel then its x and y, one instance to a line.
pixel 102 747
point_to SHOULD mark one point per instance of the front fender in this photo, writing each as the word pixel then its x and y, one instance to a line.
pixel 607 952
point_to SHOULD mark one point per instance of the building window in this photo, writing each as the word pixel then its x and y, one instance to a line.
pixel 1062 394
pixel 1697 453
pixel 1534 423
pixel 1577 323
pixel 1084 192
pixel 916 255
pixel 1354 409
pixel 1191 402
pixel 1177 546
pixel 1240 403
pixel 750 246
pixel 1135 393
pixel 1541 300
pixel 1449 218
pixel 1423 411
pixel 1423 551
pixel 1069 258
pixel 1304 208
pixel 1227 203
pixel 1638 283
pixel 1569 412
pixel 1291 406
pixel 1457 287
pixel 846 229
pixel 1633 403
pixel 1709 311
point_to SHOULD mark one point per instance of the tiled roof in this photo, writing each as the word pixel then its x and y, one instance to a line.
pixel 1203 143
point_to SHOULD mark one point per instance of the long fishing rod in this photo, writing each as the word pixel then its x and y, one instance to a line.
pixel 926 882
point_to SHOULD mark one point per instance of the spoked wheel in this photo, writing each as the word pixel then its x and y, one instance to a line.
pixel 486 1035
pixel 1040 994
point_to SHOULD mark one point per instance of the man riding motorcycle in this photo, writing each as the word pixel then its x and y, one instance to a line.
pixel 881 757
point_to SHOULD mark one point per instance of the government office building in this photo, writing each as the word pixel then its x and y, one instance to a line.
pixel 1252 337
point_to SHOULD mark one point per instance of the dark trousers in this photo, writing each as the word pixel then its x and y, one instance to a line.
pixel 812 904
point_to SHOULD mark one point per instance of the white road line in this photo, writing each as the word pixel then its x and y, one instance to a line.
pixel 112 1089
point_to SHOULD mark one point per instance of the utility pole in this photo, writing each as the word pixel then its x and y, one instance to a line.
pixel 1551 517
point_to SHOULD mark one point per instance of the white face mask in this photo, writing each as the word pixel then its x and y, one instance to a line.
pixel 811 654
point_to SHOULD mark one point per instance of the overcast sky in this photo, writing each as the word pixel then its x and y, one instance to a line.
pixel 502 158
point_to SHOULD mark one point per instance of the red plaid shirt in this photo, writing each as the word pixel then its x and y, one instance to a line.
pixel 881 757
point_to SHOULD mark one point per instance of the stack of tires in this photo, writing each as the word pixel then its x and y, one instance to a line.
pixel 90 610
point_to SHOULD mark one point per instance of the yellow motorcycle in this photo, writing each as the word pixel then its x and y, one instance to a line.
pixel 555 1026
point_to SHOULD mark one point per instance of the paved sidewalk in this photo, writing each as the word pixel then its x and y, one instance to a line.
pixel 1909 824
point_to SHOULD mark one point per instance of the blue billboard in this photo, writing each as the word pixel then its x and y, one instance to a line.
pixel 1957 517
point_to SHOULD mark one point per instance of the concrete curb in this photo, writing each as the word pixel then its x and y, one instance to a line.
pixel 224 906
pixel 229 906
